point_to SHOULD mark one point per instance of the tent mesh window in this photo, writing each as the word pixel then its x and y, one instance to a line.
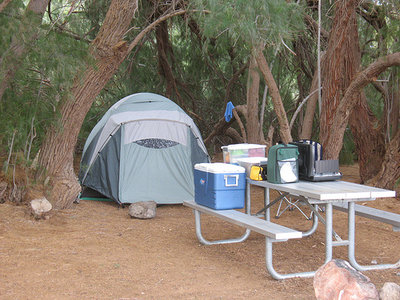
pixel 156 143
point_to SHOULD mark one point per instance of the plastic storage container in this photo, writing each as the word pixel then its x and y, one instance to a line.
pixel 232 153
pixel 247 162
pixel 219 185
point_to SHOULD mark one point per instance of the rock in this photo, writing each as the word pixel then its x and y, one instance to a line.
pixel 143 210
pixel 337 279
pixel 40 208
pixel 390 291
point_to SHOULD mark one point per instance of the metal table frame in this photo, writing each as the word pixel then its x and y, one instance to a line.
pixel 322 193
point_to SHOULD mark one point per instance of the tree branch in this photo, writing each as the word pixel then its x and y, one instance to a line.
pixel 4 4
pixel 158 21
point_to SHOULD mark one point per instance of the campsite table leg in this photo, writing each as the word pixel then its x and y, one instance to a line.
pixel 247 198
pixel 328 232
pixel 270 267
pixel 266 202
pixel 197 217
pixel 352 259
pixel 314 224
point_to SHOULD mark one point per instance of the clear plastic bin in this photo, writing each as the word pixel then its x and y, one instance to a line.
pixel 232 153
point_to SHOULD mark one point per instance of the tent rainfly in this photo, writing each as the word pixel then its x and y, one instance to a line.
pixel 143 149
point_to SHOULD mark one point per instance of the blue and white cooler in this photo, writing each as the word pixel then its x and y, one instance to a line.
pixel 219 185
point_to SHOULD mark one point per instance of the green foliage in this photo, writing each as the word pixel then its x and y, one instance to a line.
pixel 251 21
pixel 29 106
pixel 9 23
pixel 95 12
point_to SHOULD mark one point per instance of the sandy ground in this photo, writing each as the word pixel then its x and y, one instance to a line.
pixel 96 251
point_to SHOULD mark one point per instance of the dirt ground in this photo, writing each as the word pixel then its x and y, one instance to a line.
pixel 96 251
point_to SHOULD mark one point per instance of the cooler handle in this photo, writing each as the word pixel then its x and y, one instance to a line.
pixel 231 184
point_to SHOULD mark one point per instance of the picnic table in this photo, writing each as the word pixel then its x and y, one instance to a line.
pixel 330 194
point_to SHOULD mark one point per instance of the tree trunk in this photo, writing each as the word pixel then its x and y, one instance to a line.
pixel 164 50
pixel 341 117
pixel 369 141
pixel 21 42
pixel 306 129
pixel 233 81
pixel 395 113
pixel 284 129
pixel 253 87
pixel 389 173
pixel 369 138
pixel 108 50
pixel 336 73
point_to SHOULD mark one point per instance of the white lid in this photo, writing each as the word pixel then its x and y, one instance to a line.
pixel 219 168
pixel 252 160
pixel 242 146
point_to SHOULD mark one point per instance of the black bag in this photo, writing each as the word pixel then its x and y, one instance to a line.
pixel 311 165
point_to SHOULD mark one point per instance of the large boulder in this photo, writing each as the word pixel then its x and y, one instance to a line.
pixel 40 208
pixel 337 279
pixel 143 210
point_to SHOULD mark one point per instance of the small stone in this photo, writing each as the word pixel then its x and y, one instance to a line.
pixel 143 210
pixel 374 262
pixel 337 279
pixel 390 291
pixel 40 208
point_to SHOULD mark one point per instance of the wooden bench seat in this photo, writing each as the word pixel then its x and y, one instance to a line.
pixel 269 229
pixel 373 213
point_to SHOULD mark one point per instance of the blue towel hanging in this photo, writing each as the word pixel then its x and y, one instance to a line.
pixel 228 111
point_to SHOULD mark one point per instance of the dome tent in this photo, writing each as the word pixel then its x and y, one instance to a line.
pixel 143 149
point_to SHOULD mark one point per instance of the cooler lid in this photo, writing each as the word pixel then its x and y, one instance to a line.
pixel 243 146
pixel 219 168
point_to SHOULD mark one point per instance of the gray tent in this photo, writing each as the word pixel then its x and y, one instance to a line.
pixel 143 149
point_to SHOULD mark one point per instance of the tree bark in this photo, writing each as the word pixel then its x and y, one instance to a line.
pixel 348 101
pixel 164 50
pixel 368 137
pixel 284 129
pixel 21 42
pixel 253 87
pixel 233 81
pixel 336 73
pixel 395 113
pixel 389 174
pixel 241 126
pixel 306 130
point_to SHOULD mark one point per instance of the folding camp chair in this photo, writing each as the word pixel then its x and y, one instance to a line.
pixel 291 204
